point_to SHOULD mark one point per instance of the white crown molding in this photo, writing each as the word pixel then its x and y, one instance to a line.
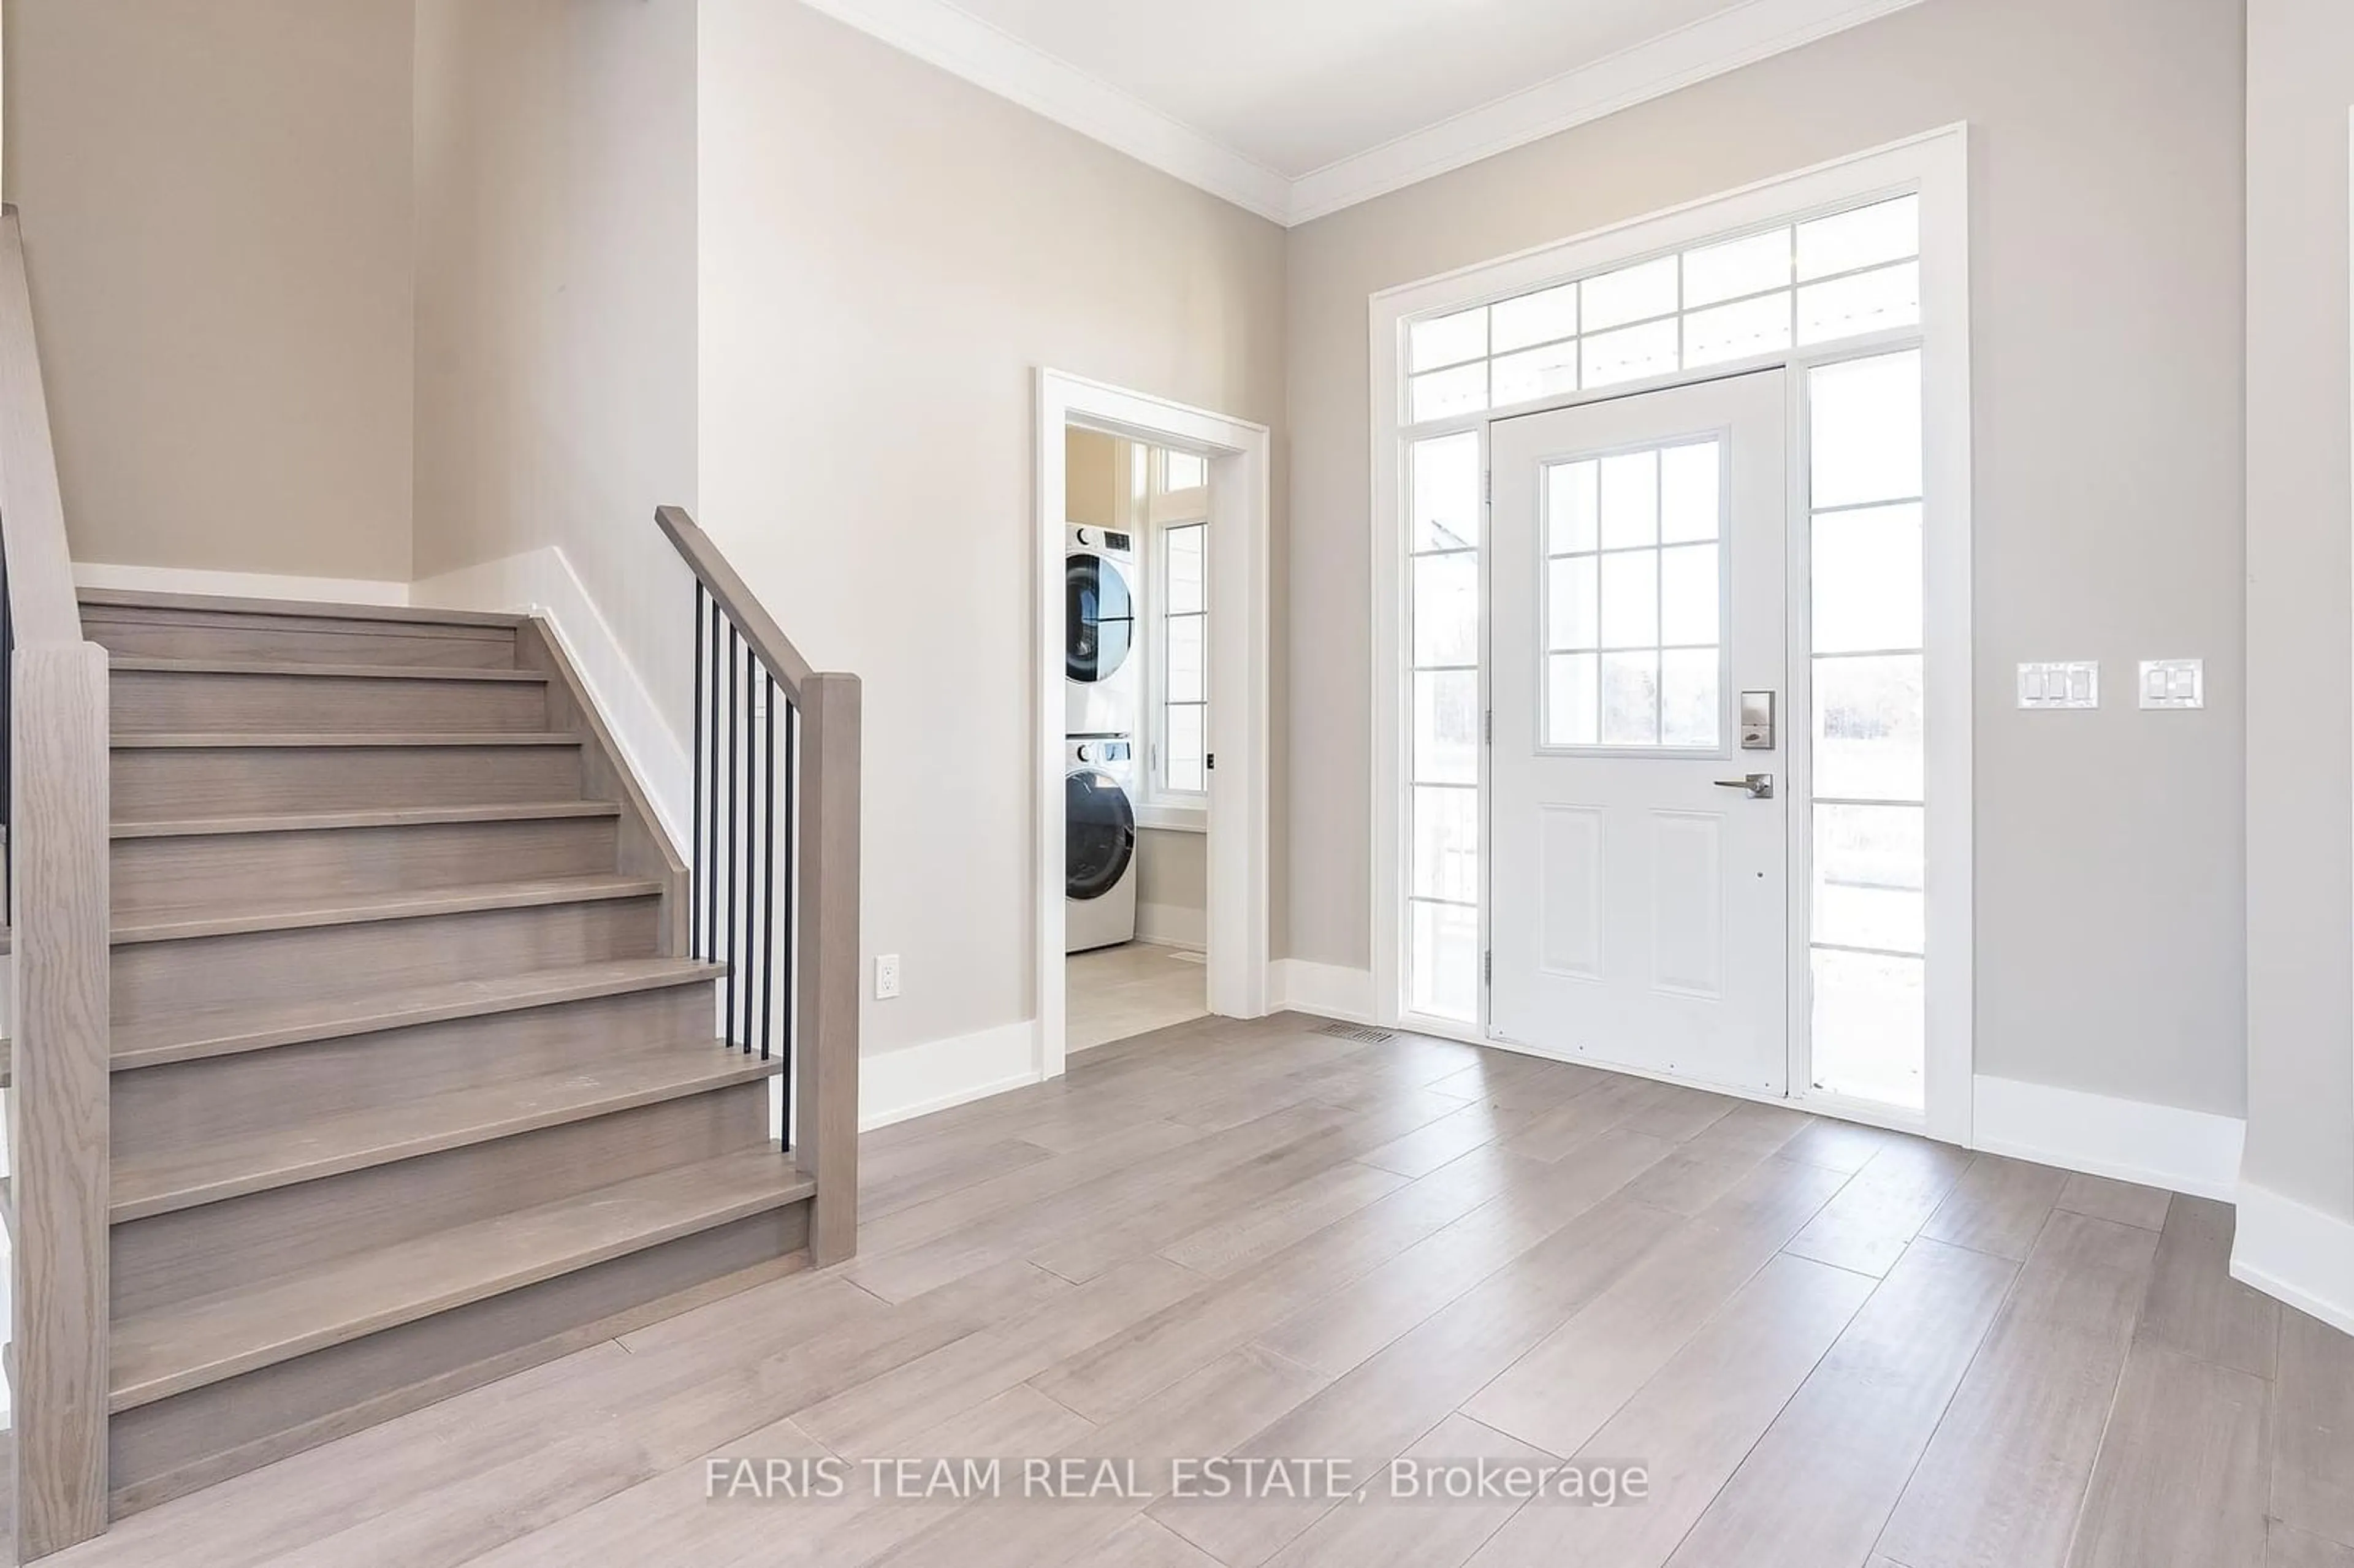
pixel 964 46
pixel 1713 46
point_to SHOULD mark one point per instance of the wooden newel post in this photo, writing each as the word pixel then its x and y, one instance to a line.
pixel 825 1093
pixel 57 1134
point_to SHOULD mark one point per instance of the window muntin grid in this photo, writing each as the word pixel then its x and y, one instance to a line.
pixel 1800 284
pixel 1634 597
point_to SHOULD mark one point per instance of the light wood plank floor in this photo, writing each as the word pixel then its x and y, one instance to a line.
pixel 1831 1347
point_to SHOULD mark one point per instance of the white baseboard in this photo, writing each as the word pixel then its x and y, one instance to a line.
pixel 1173 926
pixel 239 585
pixel 542 582
pixel 1328 991
pixel 2295 1254
pixel 2129 1141
pixel 915 1080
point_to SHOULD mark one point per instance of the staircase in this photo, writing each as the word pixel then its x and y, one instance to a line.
pixel 413 1080
pixel 368 1037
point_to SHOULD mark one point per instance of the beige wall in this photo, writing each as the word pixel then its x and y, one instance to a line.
pixel 1093 479
pixel 555 303
pixel 2106 272
pixel 2300 938
pixel 216 199
pixel 1172 871
pixel 888 254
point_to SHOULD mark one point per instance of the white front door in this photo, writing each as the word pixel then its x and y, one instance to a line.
pixel 1639 900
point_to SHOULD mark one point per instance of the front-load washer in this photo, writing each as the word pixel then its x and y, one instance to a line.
pixel 1098 842
pixel 1103 635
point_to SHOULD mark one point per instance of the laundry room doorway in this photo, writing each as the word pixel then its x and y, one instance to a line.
pixel 1152 639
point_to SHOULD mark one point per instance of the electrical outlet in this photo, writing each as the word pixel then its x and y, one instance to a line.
pixel 2173 683
pixel 2068 684
pixel 886 976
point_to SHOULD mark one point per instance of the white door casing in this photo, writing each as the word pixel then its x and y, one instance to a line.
pixel 1639 908
pixel 1238 453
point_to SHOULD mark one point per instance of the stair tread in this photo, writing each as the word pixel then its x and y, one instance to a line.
pixel 192 1343
pixel 256 1027
pixel 227 739
pixel 157 1182
pixel 151 665
pixel 387 817
pixel 218 920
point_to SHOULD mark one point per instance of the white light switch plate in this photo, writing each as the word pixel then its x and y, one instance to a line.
pixel 2072 684
pixel 2173 683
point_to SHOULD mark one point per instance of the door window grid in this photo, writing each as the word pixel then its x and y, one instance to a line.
pixel 1806 284
pixel 1869 899
pixel 1443 860
pixel 1633 599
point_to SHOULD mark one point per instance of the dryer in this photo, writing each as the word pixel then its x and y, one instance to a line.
pixel 1098 842
pixel 1103 652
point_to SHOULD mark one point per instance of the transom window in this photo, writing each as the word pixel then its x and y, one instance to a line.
pixel 1634 592
pixel 1799 285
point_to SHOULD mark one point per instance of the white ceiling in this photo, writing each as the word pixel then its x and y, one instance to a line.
pixel 1297 107
pixel 1296 85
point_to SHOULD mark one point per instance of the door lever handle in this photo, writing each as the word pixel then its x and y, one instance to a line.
pixel 1759 785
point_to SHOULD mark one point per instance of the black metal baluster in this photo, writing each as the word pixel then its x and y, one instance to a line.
pixel 751 897
pixel 734 808
pixel 711 852
pixel 694 855
pixel 768 859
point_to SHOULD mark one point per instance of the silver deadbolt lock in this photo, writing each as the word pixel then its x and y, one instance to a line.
pixel 1756 721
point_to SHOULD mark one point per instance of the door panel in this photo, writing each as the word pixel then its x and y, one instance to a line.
pixel 1639 907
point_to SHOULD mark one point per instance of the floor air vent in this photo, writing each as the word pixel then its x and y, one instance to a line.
pixel 1355 1031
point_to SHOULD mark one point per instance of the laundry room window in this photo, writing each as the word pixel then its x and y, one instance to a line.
pixel 1185 730
pixel 1177 721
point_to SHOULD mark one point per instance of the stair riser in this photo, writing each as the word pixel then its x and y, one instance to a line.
pixel 230 638
pixel 163 783
pixel 194 1439
pixel 145 702
pixel 175 1257
pixel 160 875
pixel 190 1104
pixel 151 980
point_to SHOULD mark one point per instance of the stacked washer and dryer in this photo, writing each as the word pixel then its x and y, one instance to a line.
pixel 1104 703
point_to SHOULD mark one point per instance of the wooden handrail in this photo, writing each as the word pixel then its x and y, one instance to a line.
pixel 821 797
pixel 768 642
pixel 40 567
pixel 60 1134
